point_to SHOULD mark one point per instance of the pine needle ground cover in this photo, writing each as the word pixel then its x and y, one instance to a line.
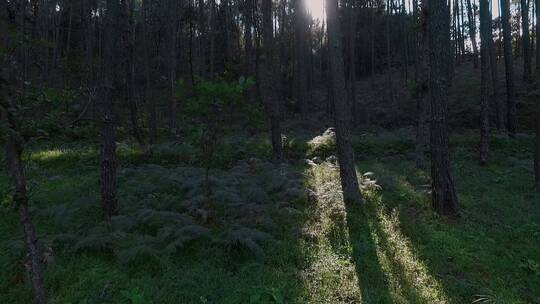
pixel 267 234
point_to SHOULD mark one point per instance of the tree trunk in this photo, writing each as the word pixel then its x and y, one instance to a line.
pixel 351 16
pixel 537 12
pixel 389 54
pixel 537 149
pixel 527 72
pixel 173 30
pixel 444 197
pixel 509 69
pixel 148 96
pixel 108 140
pixel 422 84
pixel 130 73
pixel 268 75
pixel 300 53
pixel 13 145
pixel 249 64
pixel 496 100
pixel 485 32
pixel 349 179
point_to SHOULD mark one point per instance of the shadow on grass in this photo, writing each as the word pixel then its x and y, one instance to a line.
pixel 372 280
pixel 389 271
pixel 483 253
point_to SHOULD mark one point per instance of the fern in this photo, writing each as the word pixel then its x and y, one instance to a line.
pixel 185 235
pixel 97 238
pixel 245 238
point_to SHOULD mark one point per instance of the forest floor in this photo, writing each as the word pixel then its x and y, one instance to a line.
pixel 267 234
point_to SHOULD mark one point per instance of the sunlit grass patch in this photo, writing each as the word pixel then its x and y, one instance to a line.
pixel 330 276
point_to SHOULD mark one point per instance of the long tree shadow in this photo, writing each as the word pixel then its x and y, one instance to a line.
pixel 373 281
pixel 487 253
pixel 388 269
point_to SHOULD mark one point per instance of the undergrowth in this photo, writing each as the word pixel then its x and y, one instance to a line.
pixel 278 234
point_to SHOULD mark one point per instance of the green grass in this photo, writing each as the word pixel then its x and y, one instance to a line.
pixel 393 250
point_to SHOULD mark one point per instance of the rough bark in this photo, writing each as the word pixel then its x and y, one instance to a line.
pixel 527 72
pixel 13 145
pixel 148 96
pixel 130 74
pixel 351 75
pixel 444 197
pixel 173 31
pixel 485 32
pixel 537 14
pixel 537 149
pixel 300 53
pixel 107 123
pixel 349 179
pixel 268 74
pixel 422 84
pixel 509 69
pixel 496 100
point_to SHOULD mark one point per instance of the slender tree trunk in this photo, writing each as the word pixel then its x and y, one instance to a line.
pixel 130 73
pixel 485 32
pixel 422 84
pixel 203 32
pixel 13 145
pixel 249 64
pixel 173 24
pixel 300 53
pixel 537 149
pixel 108 138
pixel 472 31
pixel 509 69
pixel 496 100
pixel 349 179
pixel 213 23
pixel 444 197
pixel 148 96
pixel 268 75
pixel 389 53
pixel 537 14
pixel 527 72
pixel 352 17
pixel 13 156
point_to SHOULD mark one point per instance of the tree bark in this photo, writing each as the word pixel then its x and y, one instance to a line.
pixel 496 100
pixel 444 197
pixel 107 132
pixel 130 73
pixel 173 30
pixel 352 17
pixel 268 74
pixel 537 149
pixel 13 145
pixel 349 179
pixel 485 32
pixel 422 83
pixel 537 14
pixel 148 96
pixel 509 69
pixel 300 53
pixel 527 72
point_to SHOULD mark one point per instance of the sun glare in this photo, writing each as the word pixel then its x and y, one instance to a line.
pixel 315 8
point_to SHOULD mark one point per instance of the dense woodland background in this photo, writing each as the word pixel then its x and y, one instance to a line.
pixel 247 151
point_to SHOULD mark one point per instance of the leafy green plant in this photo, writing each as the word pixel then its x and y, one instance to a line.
pixel 211 109
pixel 135 296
